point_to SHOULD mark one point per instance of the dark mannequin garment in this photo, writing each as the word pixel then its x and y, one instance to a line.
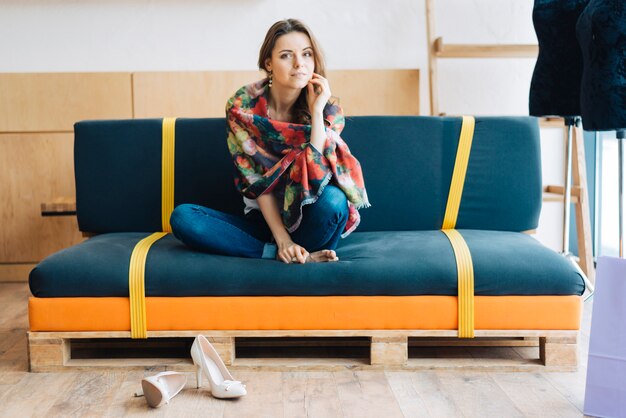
pixel 555 85
pixel 601 31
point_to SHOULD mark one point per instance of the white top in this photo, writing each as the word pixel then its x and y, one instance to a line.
pixel 250 204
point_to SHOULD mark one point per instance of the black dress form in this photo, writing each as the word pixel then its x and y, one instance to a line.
pixel 601 31
pixel 555 85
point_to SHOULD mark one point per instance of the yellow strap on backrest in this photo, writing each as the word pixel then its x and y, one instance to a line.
pixel 465 273
pixel 167 172
pixel 458 175
pixel 464 265
pixel 136 285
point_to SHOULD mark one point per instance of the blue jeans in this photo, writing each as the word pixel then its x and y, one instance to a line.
pixel 216 232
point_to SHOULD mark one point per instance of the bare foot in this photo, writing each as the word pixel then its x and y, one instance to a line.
pixel 322 256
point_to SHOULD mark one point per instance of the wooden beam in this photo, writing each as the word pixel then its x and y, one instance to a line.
pixel 583 216
pixel 225 347
pixel 15 272
pixel 555 197
pixel 45 354
pixel 559 351
pixel 484 51
pixel 552 193
pixel 59 206
pixel 506 333
pixel 389 350
pixel 551 122
pixel 415 342
pixel 432 61
pixel 576 190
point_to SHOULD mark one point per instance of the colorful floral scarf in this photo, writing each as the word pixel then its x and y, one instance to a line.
pixel 277 157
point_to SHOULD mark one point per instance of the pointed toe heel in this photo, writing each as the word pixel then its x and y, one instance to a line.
pixel 208 363
pixel 160 388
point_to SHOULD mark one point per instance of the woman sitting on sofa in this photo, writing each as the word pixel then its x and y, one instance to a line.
pixel 301 185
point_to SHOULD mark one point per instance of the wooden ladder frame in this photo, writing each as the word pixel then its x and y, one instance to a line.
pixel 580 200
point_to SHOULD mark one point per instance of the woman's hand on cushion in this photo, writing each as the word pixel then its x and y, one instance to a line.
pixel 290 252
pixel 318 94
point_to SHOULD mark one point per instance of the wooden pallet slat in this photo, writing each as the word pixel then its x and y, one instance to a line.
pixel 388 349
pixel 47 353
pixel 558 351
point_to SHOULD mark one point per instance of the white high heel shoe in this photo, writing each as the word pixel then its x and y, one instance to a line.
pixel 162 387
pixel 206 360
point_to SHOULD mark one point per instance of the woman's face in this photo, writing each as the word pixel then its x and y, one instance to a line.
pixel 292 62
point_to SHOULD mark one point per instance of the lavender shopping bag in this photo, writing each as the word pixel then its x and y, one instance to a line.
pixel 605 394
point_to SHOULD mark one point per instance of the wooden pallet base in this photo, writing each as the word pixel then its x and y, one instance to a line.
pixel 387 349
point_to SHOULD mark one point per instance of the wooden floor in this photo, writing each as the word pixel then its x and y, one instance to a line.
pixel 288 394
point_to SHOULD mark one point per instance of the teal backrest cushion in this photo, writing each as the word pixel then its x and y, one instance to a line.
pixel 407 163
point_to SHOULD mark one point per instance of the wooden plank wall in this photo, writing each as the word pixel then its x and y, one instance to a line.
pixel 38 111
pixel 204 94
pixel 37 114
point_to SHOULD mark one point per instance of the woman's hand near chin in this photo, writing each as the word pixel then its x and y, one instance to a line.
pixel 318 94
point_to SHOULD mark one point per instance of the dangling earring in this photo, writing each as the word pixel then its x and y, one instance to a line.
pixel 270 82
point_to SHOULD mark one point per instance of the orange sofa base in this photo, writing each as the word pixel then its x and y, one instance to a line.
pixel 305 313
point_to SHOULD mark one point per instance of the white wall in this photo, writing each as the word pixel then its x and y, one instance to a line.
pixel 151 35
pixel 144 35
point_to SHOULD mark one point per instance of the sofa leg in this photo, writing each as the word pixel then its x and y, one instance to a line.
pixel 389 350
pixel 558 351
pixel 225 347
pixel 47 354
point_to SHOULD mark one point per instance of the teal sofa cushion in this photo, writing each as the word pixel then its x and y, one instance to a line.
pixel 371 263
pixel 408 164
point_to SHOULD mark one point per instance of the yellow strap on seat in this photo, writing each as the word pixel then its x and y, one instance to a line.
pixel 167 172
pixel 464 266
pixel 137 269
pixel 136 285
pixel 465 272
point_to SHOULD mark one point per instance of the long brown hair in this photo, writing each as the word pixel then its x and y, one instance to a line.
pixel 300 111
